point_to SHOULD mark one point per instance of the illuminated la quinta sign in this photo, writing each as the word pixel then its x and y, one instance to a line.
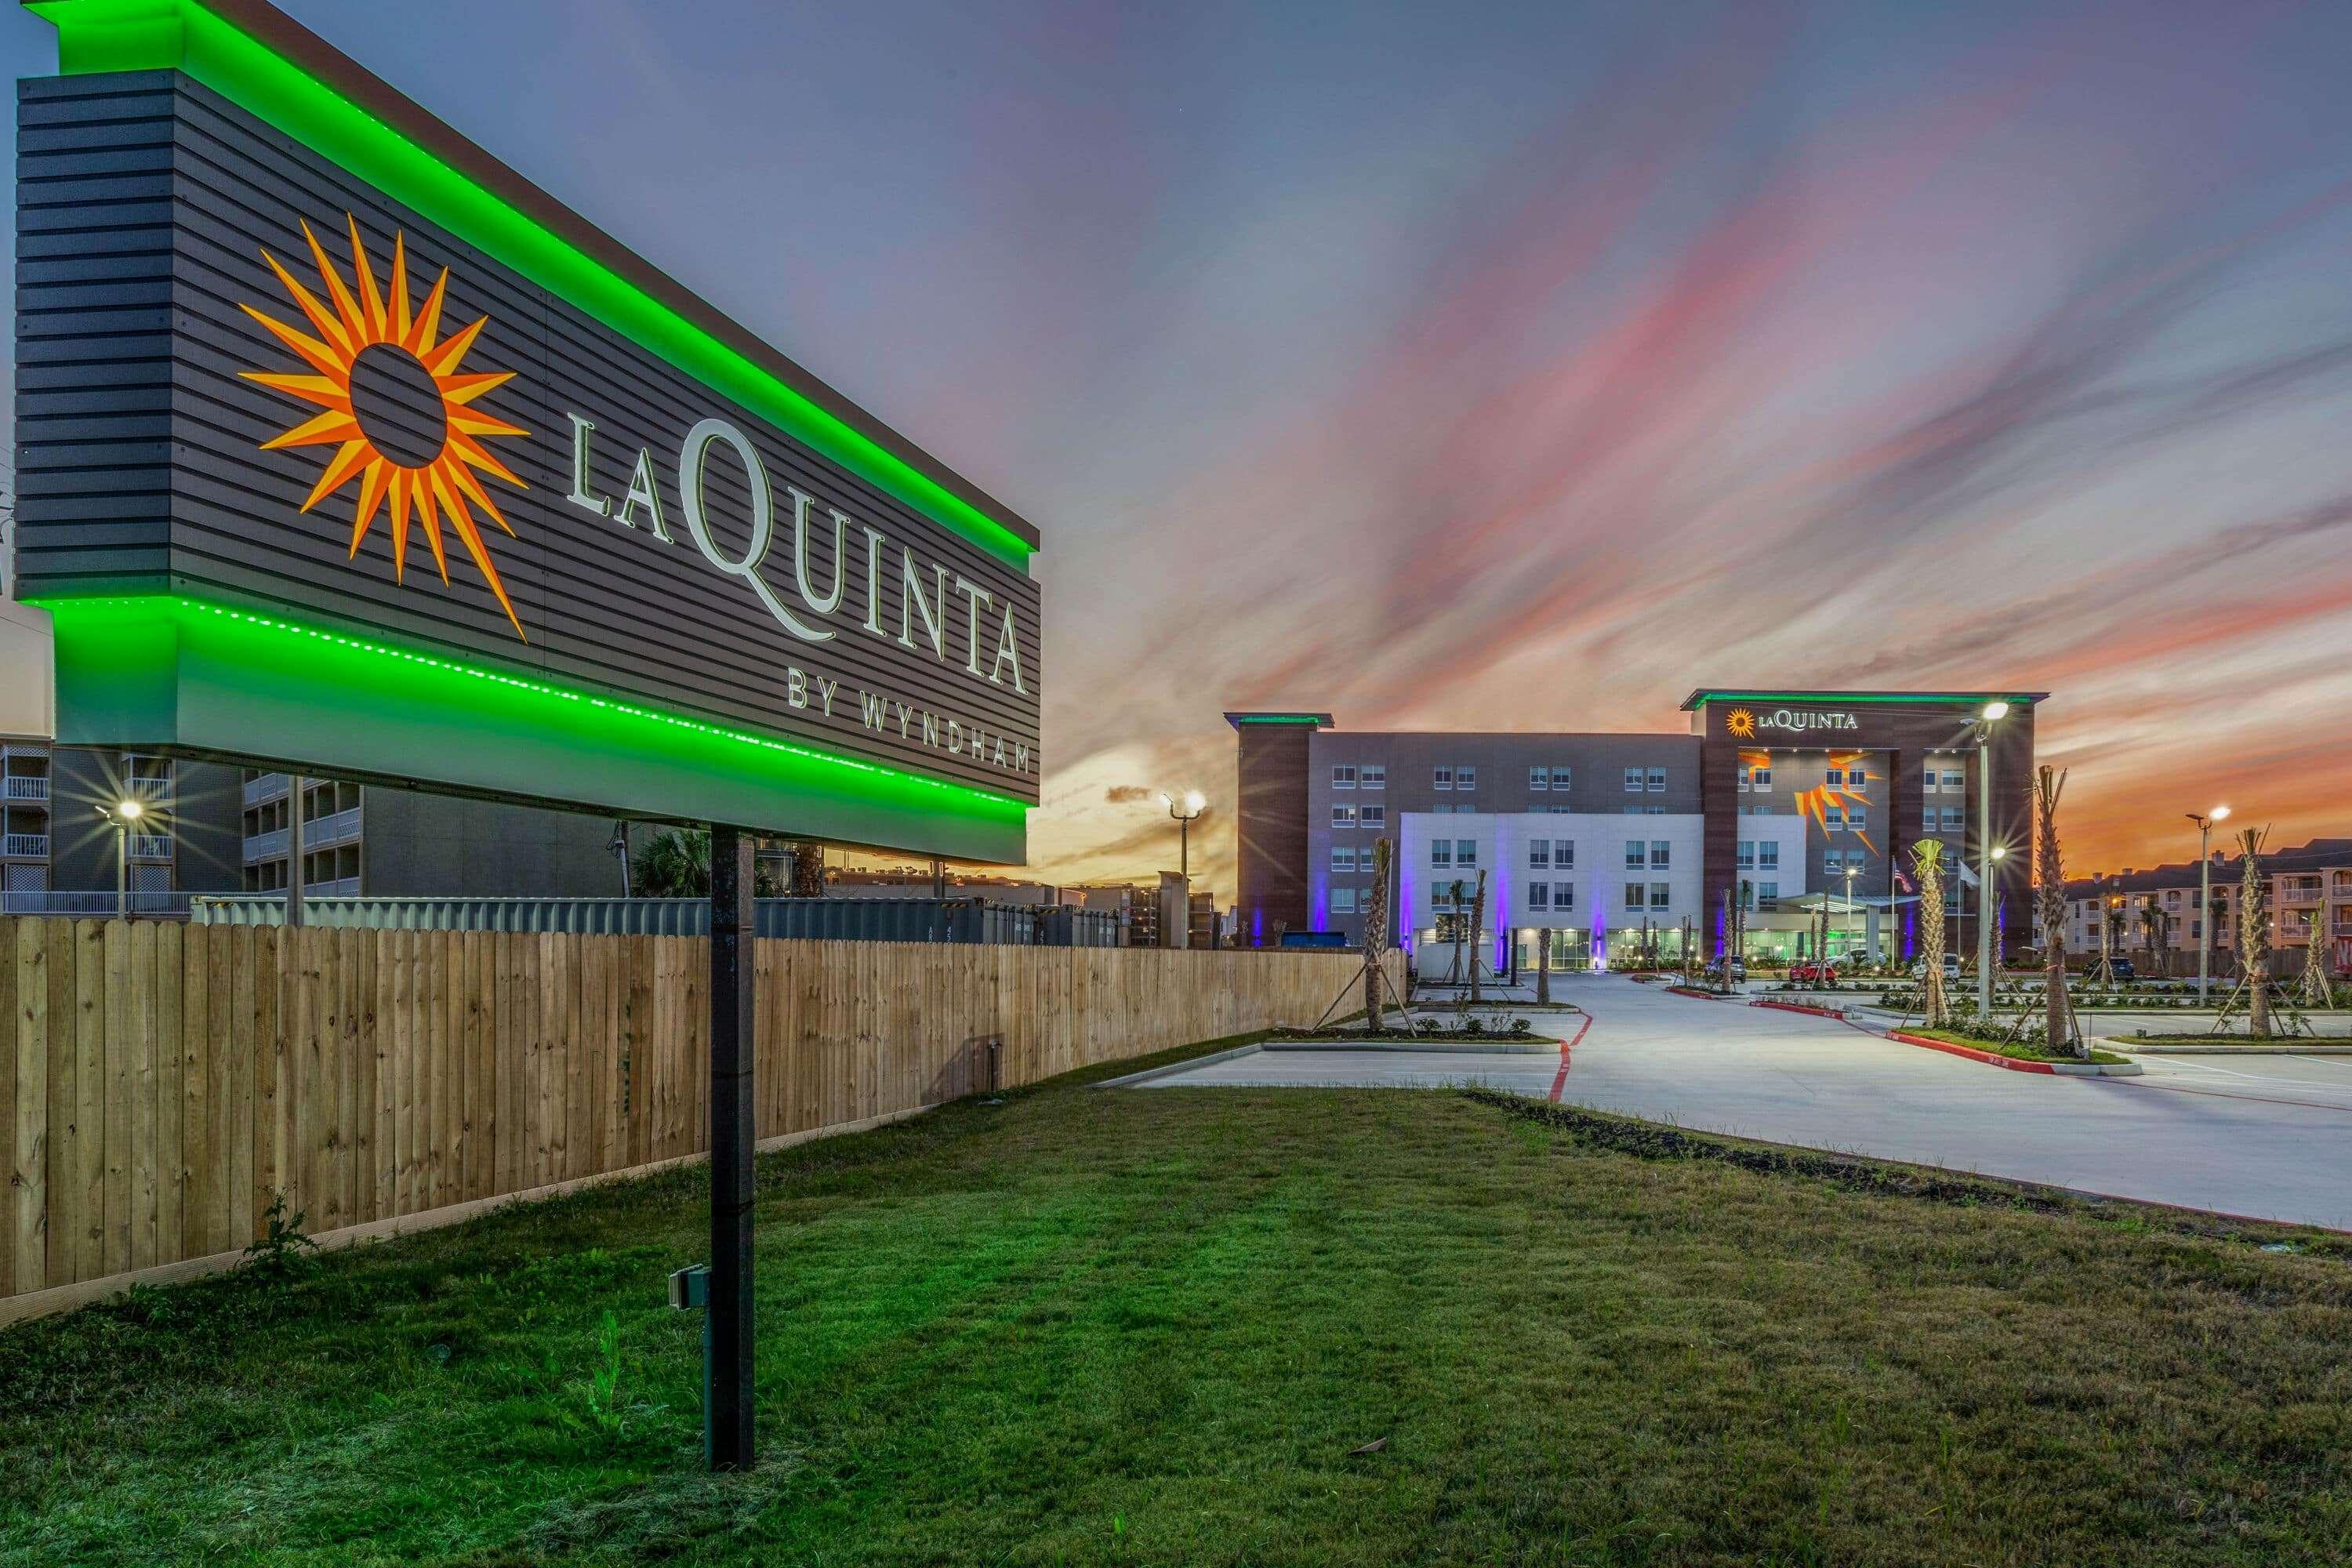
pixel 1806 719
pixel 463 495
pixel 920 616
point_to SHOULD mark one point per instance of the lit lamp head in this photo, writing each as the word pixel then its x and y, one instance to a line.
pixel 2220 813
pixel 130 808
pixel 1193 801
pixel 1994 711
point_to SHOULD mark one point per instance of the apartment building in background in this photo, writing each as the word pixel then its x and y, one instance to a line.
pixel 2306 890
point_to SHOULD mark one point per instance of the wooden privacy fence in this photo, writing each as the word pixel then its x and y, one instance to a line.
pixel 160 1082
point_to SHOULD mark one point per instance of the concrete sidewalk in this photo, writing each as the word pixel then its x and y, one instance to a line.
pixel 2267 1137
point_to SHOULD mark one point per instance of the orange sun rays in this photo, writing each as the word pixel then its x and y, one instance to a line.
pixel 342 327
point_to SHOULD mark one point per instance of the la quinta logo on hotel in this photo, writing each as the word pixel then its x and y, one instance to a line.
pixel 1743 723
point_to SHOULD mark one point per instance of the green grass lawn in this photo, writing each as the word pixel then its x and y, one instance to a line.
pixel 1163 1326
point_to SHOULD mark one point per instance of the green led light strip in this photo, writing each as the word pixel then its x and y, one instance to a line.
pixel 98 35
pixel 1278 719
pixel 73 615
pixel 1839 699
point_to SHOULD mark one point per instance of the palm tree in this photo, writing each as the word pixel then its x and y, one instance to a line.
pixel 2316 992
pixel 2057 1018
pixel 1927 866
pixel 675 863
pixel 2254 962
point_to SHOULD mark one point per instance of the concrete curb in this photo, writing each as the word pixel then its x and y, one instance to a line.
pixel 1518 1046
pixel 1187 1065
pixel 1814 1008
pixel 2059 1069
pixel 1693 991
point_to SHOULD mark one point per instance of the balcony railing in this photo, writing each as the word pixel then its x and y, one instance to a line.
pixel 269 787
pixel 28 787
pixel 336 827
pixel 149 846
pixel 27 846
pixel 323 832
pixel 94 905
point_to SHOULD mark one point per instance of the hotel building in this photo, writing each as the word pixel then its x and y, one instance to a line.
pixel 1784 800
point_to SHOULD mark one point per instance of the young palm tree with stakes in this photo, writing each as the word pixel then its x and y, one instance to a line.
pixel 2254 962
pixel 2057 1017
pixel 1928 870
pixel 2316 992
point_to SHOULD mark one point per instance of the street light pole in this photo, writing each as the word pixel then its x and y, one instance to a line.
pixel 1993 713
pixel 1184 811
pixel 2204 894
pixel 123 816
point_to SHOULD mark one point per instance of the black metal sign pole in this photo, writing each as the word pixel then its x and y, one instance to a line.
pixel 733 1136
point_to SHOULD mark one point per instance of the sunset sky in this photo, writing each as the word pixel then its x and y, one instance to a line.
pixel 1525 366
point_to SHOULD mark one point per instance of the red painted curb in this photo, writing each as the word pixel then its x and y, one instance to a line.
pixel 1818 1011
pixel 2011 1063
pixel 1559 1078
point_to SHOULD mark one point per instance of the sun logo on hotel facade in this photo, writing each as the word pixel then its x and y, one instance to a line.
pixel 395 407
pixel 1740 724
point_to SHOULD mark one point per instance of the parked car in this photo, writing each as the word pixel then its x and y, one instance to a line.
pixel 1951 967
pixel 1738 967
pixel 2122 968
pixel 1825 970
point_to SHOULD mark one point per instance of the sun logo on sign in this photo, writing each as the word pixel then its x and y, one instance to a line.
pixel 1740 723
pixel 395 407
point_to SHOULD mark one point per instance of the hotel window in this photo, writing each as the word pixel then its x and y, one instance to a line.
pixel 1540 896
pixel 1372 775
pixel 2172 899
pixel 1657 781
pixel 1538 854
pixel 2196 930
pixel 1765 893
pixel 1343 857
pixel 1465 777
pixel 1748 855
pixel 1539 779
pixel 1441 809
pixel 1637 894
pixel 1659 895
pixel 1375 816
pixel 1440 852
pixel 1856 778
pixel 1343 901
pixel 1760 778
pixel 1563 895
pixel 1658 851
pixel 1956 819
pixel 1637 854
pixel 1563 853
pixel 1633 781
pixel 1767 856
pixel 1343 777
pixel 1560 776
pixel 1466 851
pixel 1955 778
pixel 1835 778
pixel 1832 818
pixel 1343 817
pixel 1857 816
pixel 1441 778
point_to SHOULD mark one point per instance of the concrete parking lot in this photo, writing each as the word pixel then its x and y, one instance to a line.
pixel 2266 1137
